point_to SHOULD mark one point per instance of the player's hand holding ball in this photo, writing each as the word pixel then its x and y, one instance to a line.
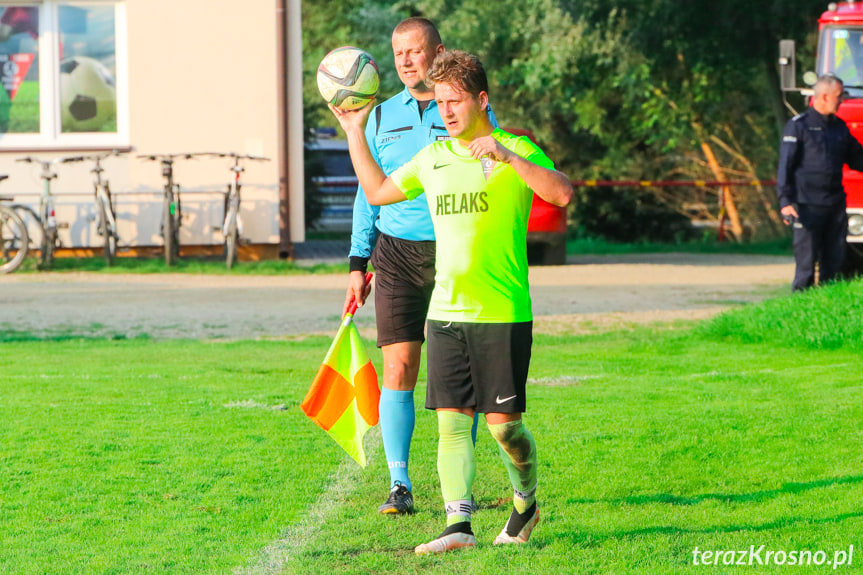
pixel 352 119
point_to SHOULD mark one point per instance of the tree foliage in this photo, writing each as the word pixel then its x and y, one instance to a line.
pixel 615 89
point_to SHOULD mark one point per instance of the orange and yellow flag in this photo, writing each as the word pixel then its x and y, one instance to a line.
pixel 344 396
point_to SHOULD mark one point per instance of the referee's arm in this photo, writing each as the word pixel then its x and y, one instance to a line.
pixel 379 189
pixel 364 232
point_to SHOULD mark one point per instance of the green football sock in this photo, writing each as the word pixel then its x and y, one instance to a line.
pixel 456 464
pixel 518 451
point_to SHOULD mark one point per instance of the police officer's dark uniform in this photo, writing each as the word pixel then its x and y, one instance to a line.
pixel 814 149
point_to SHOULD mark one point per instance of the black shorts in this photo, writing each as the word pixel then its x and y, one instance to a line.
pixel 478 365
pixel 404 282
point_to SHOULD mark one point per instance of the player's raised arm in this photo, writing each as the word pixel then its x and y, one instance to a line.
pixel 552 186
pixel 379 189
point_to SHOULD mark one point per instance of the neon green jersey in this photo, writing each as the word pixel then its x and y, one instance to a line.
pixel 480 226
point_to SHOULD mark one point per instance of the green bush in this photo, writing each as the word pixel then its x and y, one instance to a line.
pixel 623 215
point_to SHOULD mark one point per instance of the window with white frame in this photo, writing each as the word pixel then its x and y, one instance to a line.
pixel 63 75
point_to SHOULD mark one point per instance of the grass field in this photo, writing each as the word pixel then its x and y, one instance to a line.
pixel 209 266
pixel 144 456
pixel 22 115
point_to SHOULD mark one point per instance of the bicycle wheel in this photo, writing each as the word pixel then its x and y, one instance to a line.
pixel 169 236
pixel 178 216
pixel 232 240
pixel 176 241
pixel 108 229
pixel 13 240
pixel 49 239
pixel 33 224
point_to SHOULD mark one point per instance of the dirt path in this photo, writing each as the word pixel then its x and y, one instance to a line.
pixel 588 293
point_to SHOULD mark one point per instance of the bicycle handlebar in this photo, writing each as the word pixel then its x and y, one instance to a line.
pixel 32 160
pixel 237 156
pixel 189 156
pixel 154 157
pixel 46 164
pixel 95 157
pixel 69 159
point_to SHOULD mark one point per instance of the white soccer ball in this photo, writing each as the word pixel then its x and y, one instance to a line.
pixel 348 78
pixel 88 96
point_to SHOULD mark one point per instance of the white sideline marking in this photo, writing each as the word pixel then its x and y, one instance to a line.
pixel 276 556
pixel 766 370
pixel 252 404
pixel 562 380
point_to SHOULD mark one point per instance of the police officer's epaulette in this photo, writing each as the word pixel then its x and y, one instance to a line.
pixel 798 116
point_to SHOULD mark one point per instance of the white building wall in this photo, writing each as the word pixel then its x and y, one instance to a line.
pixel 202 77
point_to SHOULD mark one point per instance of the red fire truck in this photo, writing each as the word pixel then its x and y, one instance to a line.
pixel 840 51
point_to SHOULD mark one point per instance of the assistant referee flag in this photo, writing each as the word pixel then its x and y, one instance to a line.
pixel 344 396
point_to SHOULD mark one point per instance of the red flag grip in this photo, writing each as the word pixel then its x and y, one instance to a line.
pixel 353 307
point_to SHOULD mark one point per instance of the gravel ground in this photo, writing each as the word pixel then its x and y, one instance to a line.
pixel 587 294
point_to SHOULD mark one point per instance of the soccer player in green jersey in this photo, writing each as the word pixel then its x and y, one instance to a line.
pixel 479 188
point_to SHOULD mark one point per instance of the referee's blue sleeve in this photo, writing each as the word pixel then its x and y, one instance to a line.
pixel 363 231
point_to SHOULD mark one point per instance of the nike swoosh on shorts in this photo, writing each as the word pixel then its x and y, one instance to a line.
pixel 498 400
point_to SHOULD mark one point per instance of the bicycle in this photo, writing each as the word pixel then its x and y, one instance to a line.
pixel 232 227
pixel 47 220
pixel 13 237
pixel 106 219
pixel 31 221
pixel 171 208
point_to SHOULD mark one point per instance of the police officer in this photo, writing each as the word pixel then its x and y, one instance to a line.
pixel 815 147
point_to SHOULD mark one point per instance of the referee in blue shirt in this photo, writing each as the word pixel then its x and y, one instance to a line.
pixel 399 241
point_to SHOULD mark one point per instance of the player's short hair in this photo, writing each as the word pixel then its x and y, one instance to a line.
pixel 432 35
pixel 460 69
pixel 827 82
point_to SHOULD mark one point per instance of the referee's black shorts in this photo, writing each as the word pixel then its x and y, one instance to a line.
pixel 404 282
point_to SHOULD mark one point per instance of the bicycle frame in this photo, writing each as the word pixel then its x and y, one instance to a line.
pixel 232 226
pixel 171 206
pixel 172 213
pixel 106 223
pixel 47 215
pixel 232 207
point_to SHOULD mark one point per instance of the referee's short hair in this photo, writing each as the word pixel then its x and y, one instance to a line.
pixel 460 69
pixel 427 26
